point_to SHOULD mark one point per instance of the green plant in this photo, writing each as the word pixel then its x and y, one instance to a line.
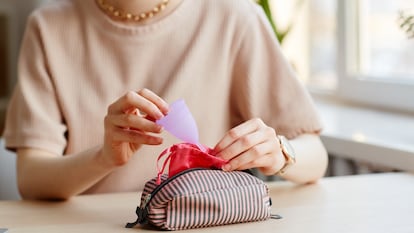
pixel 406 23
pixel 280 33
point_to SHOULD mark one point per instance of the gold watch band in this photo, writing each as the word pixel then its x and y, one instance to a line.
pixel 288 152
pixel 283 169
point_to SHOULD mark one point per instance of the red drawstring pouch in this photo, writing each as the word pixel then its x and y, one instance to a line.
pixel 184 156
pixel 189 154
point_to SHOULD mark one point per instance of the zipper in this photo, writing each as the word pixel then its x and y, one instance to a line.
pixel 142 210
pixel 159 187
pixel 149 196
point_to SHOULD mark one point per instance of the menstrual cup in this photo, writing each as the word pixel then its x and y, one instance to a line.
pixel 180 122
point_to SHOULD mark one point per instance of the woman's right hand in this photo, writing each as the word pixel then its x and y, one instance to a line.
pixel 130 123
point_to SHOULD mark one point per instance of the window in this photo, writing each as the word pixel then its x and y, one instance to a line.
pixel 323 45
pixel 385 52
pixel 353 49
pixel 359 52
pixel 311 45
pixel 374 54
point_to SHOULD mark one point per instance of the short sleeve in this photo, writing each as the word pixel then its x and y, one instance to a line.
pixel 33 117
pixel 264 84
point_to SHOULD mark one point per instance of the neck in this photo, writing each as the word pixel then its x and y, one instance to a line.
pixel 133 6
pixel 137 7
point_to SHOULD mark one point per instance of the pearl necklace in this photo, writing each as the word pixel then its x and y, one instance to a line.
pixel 126 16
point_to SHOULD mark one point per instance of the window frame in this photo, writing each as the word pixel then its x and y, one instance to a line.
pixel 355 86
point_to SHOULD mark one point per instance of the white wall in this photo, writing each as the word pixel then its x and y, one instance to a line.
pixel 8 185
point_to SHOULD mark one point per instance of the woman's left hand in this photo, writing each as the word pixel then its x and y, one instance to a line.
pixel 251 144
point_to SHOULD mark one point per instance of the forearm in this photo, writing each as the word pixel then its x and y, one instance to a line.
pixel 311 159
pixel 42 175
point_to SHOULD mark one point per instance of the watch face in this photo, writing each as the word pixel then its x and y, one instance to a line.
pixel 287 147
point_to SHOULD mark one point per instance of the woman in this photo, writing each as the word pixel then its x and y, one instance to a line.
pixel 86 65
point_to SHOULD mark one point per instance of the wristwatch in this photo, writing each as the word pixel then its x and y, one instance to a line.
pixel 288 152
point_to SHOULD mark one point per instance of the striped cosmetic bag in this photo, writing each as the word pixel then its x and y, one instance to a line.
pixel 201 197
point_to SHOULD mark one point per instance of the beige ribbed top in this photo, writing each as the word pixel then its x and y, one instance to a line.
pixel 220 56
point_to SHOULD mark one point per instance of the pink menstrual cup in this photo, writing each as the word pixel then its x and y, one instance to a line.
pixel 180 122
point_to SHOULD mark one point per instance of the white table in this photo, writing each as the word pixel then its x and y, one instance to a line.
pixel 355 204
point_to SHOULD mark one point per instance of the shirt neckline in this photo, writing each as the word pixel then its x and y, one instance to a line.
pixel 143 30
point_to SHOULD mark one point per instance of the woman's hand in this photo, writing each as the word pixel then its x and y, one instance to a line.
pixel 130 123
pixel 251 144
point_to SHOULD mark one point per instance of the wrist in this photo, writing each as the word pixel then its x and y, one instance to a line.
pixel 101 159
pixel 274 168
pixel 288 153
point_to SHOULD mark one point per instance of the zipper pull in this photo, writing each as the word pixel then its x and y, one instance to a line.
pixel 275 216
pixel 142 213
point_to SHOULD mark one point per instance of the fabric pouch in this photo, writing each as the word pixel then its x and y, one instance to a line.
pixel 184 156
pixel 197 198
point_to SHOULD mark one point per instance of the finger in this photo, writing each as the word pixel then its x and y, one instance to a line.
pixel 237 132
pixel 251 158
pixel 149 105
pixel 131 101
pixel 134 122
pixel 133 136
pixel 265 161
pixel 155 99
pixel 242 145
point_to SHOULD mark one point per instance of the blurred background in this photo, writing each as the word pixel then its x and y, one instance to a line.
pixel 356 57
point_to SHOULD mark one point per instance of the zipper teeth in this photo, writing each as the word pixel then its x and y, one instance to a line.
pixel 165 182
pixel 159 187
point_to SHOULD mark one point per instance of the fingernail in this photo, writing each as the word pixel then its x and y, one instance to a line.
pixel 159 128
pixel 159 115
pixel 226 167
pixel 158 140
